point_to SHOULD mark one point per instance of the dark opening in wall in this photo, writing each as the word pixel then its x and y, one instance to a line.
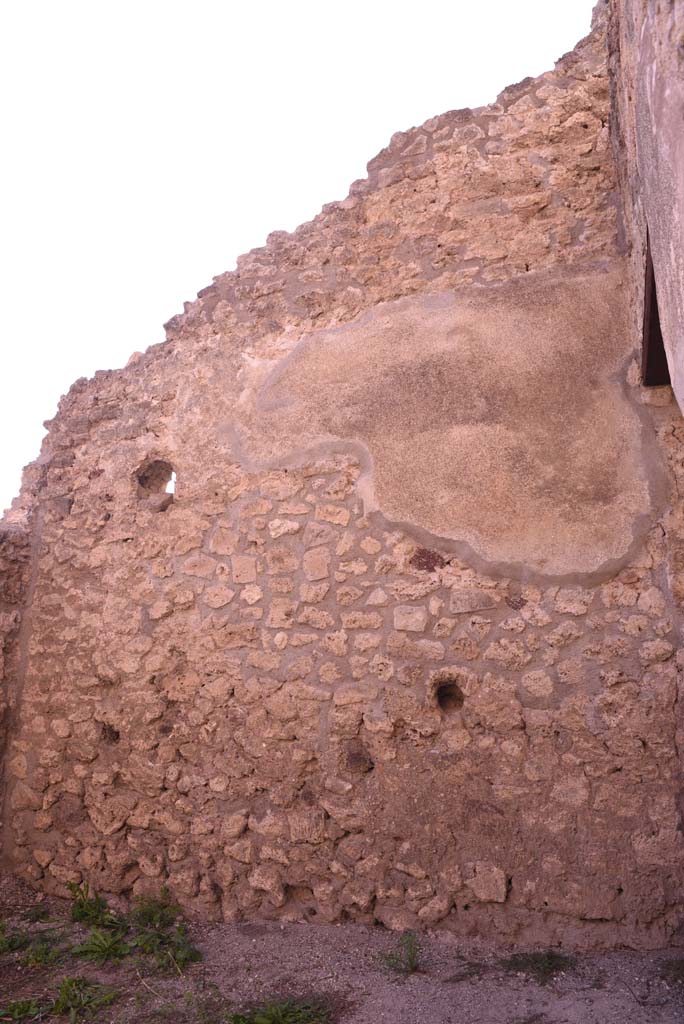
pixel 447 692
pixel 156 477
pixel 654 369
pixel 156 483
pixel 109 733
pixel 449 696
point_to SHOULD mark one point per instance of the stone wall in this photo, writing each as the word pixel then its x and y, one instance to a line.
pixel 402 645
pixel 14 581
pixel 647 84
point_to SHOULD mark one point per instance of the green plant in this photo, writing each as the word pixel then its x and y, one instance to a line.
pixel 21 1010
pixel 543 967
pixel 155 912
pixel 45 949
pixel 171 949
pixel 159 933
pixel 79 997
pixel 102 946
pixel 39 912
pixel 11 941
pixel 89 908
pixel 289 1012
pixel 406 958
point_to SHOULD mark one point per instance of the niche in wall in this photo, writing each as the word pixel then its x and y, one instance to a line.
pixel 654 369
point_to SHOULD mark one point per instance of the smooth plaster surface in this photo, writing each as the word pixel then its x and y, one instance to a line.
pixel 496 417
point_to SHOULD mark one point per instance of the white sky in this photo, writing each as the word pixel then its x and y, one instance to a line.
pixel 147 143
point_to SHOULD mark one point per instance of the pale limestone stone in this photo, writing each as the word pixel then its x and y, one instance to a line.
pixel 537 684
pixel 651 601
pixel 488 882
pixel 655 651
pixel 382 667
pixel 18 766
pixel 312 593
pixel 335 514
pixel 361 620
pixel 302 639
pixel 184 597
pixel 336 642
pixel 411 618
pixel 634 625
pixel 223 542
pixel 377 597
pixel 281 558
pixel 307 826
pixel 281 613
pixel 318 533
pixel 370 545
pixel 573 601
pixel 514 624
pixel 616 595
pixel 23 798
pixel 403 646
pixel 243 568
pixel 470 600
pixel 160 610
pixel 282 527
pixel 356 567
pixel 271 824
pixel 316 564
pixel 218 597
pixel 251 594
pixel 367 641
pixel 316 617
pixel 563 634
pixel 573 791
pixel 511 653
pixel 282 585
pixel 259 507
pixel 352 695
pixel 345 543
pixel 199 565
pixel 535 615
pixel 329 672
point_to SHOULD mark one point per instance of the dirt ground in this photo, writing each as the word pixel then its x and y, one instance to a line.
pixel 346 968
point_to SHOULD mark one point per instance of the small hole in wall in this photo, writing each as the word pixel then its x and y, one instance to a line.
pixel 109 733
pixel 157 478
pixel 449 696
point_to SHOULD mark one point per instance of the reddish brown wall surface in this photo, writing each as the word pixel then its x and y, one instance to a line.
pixel 293 692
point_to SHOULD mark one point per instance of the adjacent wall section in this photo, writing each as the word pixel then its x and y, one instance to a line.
pixel 647 80
pixel 14 585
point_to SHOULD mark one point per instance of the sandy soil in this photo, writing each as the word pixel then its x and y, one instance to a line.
pixel 345 966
